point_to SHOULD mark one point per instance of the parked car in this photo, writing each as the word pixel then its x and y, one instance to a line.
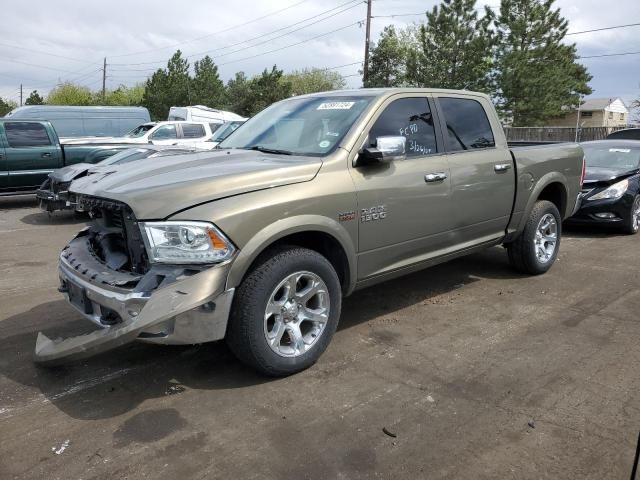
pixel 30 150
pixel 220 134
pixel 76 121
pixel 54 194
pixel 316 196
pixel 625 134
pixel 200 113
pixel 611 190
pixel 158 133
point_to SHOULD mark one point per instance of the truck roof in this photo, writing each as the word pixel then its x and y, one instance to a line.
pixel 379 92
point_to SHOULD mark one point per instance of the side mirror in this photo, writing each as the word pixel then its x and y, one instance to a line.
pixel 387 149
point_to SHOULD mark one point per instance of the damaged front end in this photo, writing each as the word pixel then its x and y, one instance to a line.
pixel 54 195
pixel 106 275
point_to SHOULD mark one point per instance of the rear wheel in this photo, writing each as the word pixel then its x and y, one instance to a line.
pixel 632 222
pixel 535 250
pixel 285 312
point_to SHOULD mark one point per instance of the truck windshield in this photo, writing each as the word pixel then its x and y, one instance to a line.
pixel 139 131
pixel 303 126
pixel 224 131
pixel 610 156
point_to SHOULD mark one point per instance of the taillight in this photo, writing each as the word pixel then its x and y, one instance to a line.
pixel 584 171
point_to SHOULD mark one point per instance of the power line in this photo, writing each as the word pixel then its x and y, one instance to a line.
pixel 212 34
pixel 49 54
pixel 610 55
pixel 294 44
pixel 605 28
pixel 351 3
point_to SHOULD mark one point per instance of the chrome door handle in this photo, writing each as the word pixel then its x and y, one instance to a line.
pixel 502 167
pixel 45 155
pixel 435 177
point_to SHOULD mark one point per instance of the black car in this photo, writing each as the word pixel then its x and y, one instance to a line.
pixel 625 134
pixel 54 194
pixel 611 189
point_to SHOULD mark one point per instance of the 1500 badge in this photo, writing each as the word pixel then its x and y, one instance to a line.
pixel 374 213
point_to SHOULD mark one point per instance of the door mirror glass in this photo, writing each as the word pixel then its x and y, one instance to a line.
pixel 387 149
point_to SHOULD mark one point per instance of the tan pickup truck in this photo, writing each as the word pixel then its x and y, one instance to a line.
pixel 315 197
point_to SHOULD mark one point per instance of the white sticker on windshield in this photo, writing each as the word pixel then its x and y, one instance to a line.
pixel 620 150
pixel 324 144
pixel 335 106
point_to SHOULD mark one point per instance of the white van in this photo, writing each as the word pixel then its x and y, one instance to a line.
pixel 200 113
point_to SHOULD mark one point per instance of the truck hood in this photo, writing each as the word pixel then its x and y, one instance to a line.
pixel 604 174
pixel 68 173
pixel 156 190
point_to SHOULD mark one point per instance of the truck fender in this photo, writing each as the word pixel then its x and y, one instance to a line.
pixel 541 184
pixel 288 226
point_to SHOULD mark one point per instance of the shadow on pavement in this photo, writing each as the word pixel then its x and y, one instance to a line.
pixel 117 381
pixel 65 217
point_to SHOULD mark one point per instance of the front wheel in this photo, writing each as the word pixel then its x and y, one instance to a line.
pixel 285 312
pixel 632 222
pixel 535 250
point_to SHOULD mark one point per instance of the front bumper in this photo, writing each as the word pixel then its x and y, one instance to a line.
pixel 50 201
pixel 169 304
pixel 588 213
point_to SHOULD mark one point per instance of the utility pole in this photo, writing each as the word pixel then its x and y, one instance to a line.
pixel 365 75
pixel 104 79
pixel 20 94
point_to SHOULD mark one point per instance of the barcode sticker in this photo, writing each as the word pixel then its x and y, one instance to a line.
pixel 335 106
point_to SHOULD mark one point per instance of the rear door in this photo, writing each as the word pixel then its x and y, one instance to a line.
pixel 31 154
pixel 404 209
pixel 482 174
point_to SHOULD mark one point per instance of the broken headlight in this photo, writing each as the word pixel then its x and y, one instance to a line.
pixel 185 242
pixel 613 192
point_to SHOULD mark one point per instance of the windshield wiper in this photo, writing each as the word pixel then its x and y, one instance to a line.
pixel 276 151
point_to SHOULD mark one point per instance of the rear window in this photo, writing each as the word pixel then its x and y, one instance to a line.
pixel 468 127
pixel 192 130
pixel 26 134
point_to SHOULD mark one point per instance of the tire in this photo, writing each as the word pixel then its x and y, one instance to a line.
pixel 526 252
pixel 632 222
pixel 284 341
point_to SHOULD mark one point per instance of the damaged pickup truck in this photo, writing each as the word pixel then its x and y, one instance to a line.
pixel 311 199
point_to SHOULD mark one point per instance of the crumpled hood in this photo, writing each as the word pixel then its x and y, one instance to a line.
pixel 604 174
pixel 68 173
pixel 155 190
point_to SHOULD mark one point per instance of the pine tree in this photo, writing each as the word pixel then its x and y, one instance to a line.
pixel 387 60
pixel 168 87
pixel 267 88
pixel 454 48
pixel 537 75
pixel 238 93
pixel 6 106
pixel 34 99
pixel 206 86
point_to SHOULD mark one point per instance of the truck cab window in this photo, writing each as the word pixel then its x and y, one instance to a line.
pixel 192 130
pixel 468 127
pixel 165 132
pixel 410 118
pixel 21 134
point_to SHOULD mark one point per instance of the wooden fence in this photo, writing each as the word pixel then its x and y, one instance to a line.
pixel 557 134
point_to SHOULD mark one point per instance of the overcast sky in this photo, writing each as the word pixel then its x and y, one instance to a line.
pixel 45 41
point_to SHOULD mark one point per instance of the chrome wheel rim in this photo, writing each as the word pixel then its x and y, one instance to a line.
pixel 546 238
pixel 635 219
pixel 296 314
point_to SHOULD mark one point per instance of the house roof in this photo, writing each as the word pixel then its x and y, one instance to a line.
pixel 593 104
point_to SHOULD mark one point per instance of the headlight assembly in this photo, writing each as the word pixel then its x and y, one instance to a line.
pixel 185 242
pixel 615 191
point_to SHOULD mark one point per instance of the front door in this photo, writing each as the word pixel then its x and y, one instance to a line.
pixel 482 173
pixel 30 155
pixel 404 206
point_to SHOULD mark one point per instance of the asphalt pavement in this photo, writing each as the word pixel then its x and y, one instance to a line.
pixel 466 370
